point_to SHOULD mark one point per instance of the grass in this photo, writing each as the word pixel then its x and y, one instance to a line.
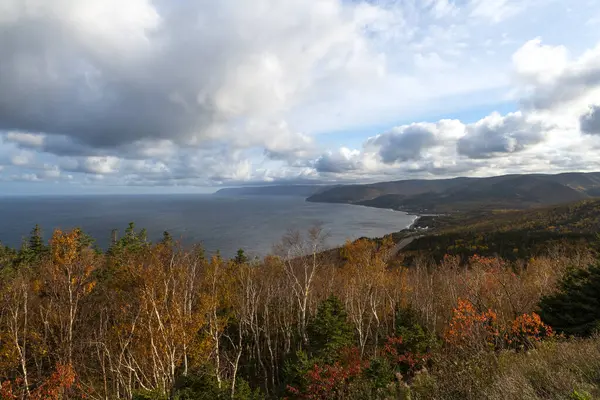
pixel 567 369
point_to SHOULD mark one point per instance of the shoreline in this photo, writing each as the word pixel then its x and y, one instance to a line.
pixel 414 222
pixel 418 216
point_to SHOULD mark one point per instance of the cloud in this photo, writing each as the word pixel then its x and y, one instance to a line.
pixel 342 161
pixel 403 144
pixel 496 134
pixel 93 165
pixel 550 79
pixel 590 122
pixel 213 93
pixel 27 140
pixel 22 158
pixel 495 10
pixel 188 73
pixel 415 141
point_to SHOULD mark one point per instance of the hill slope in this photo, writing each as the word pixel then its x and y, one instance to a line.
pixel 460 194
pixel 509 234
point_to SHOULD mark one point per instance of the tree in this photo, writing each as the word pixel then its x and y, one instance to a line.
pixel 32 249
pixel 363 281
pixel 167 239
pixel 240 257
pixel 303 258
pixel 68 278
pixel 575 308
pixel 36 242
pixel 416 339
pixel 329 331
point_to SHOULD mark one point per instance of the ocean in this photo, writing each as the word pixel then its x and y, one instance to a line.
pixel 224 223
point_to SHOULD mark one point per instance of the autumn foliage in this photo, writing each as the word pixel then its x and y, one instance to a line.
pixel 470 328
pixel 160 320
pixel 61 384
pixel 331 381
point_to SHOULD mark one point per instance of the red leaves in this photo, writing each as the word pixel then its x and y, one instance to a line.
pixel 61 382
pixel 396 353
pixel 331 381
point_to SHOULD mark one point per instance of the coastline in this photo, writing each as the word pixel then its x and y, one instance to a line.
pixel 414 222
pixel 418 216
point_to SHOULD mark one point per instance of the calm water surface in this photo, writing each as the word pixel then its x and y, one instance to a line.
pixel 253 223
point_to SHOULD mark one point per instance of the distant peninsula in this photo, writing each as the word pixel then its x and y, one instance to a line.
pixel 422 196
pixel 274 190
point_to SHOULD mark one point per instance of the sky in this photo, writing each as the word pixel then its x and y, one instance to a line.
pixel 163 96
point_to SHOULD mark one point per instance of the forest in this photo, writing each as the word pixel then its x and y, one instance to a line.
pixel 161 320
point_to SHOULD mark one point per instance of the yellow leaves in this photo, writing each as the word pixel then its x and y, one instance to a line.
pixel 36 286
pixel 89 287
pixel 65 246
pixel 8 352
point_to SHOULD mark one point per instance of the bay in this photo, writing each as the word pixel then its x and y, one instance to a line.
pixel 254 223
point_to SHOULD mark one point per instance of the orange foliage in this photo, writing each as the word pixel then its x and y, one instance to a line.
pixel 528 329
pixel 469 327
pixel 61 384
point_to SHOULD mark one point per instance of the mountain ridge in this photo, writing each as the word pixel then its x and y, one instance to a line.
pixel 517 191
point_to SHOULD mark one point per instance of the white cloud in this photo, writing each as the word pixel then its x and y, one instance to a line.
pixel 551 80
pixel 342 161
pixel 208 93
pixel 22 158
pixel 30 140
pixel 100 165
pixel 496 10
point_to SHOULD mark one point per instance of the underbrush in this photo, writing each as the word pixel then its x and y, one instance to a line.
pixel 558 369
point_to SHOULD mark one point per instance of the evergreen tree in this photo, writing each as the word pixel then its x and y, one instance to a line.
pixel 133 240
pixel 329 331
pixel 167 239
pixel 240 257
pixel 32 248
pixel 36 242
pixel 575 308
pixel 416 339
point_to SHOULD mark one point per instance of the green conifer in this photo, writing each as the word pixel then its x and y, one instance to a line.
pixel 575 308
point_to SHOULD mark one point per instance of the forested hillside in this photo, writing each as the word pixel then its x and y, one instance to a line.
pixel 465 194
pixel 157 320
pixel 512 235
